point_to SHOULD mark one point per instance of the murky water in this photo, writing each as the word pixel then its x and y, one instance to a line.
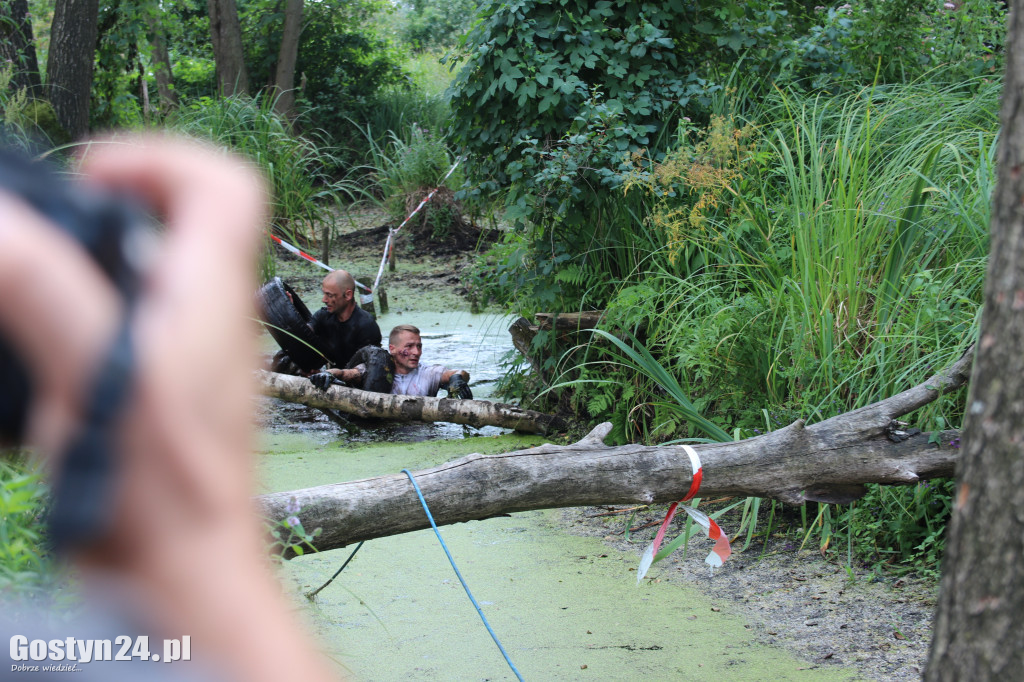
pixel 564 607
pixel 477 343
pixel 458 340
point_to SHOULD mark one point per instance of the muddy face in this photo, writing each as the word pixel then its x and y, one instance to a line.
pixel 406 350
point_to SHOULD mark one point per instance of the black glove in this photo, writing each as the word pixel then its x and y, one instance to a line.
pixel 282 364
pixel 458 388
pixel 322 380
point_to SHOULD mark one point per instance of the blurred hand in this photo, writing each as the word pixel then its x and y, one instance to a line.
pixel 185 537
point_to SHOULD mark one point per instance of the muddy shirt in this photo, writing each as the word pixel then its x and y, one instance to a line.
pixel 342 339
pixel 420 381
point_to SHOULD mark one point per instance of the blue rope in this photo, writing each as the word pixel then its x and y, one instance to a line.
pixel 433 525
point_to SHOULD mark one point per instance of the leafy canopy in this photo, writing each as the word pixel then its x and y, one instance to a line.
pixel 535 70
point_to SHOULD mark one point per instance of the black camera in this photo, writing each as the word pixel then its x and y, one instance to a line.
pixel 108 228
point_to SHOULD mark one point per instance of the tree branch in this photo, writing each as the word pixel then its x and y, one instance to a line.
pixel 828 462
pixel 407 407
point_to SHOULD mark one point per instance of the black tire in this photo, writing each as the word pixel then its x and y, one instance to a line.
pixel 380 368
pixel 288 323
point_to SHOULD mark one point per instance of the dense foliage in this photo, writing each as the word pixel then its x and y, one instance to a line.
pixel 785 210
pixel 24 560
pixel 343 60
pixel 436 25
pixel 554 100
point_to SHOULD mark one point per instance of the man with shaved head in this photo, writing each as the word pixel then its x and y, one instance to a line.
pixel 342 325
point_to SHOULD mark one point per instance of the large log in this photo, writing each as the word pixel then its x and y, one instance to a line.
pixel 407 407
pixel 830 461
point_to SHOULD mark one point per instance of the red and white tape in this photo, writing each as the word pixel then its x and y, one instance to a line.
pixel 391 233
pixel 387 244
pixel 302 254
pixel 721 550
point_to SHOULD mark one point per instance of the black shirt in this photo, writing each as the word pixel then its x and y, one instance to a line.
pixel 342 339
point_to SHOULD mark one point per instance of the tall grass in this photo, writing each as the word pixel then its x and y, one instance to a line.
pixel 299 167
pixel 848 263
pixel 397 109
pixel 843 264
pixel 884 266
pixel 409 159
pixel 430 72
pixel 420 102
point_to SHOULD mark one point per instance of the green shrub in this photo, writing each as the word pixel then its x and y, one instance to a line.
pixel 406 169
pixel 344 62
pixel 901 528
pixel 24 561
pixel 431 25
pixel 26 121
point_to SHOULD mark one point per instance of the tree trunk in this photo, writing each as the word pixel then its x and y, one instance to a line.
pixel 407 407
pixel 226 37
pixel 70 63
pixel 161 61
pixel 284 79
pixel 979 624
pixel 18 46
pixel 828 462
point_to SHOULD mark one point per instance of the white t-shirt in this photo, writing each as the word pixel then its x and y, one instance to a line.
pixel 420 381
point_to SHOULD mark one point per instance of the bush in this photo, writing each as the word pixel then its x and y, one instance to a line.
pixel 343 61
pixel 24 561
pixel 406 169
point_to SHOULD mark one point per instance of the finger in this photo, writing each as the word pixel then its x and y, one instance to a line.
pixel 214 207
pixel 199 297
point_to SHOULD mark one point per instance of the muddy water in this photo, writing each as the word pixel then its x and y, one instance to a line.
pixel 458 340
pixel 565 607
pixel 476 343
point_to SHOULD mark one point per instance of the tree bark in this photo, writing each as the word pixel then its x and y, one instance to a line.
pixel 284 79
pixel 979 624
pixel 17 45
pixel 407 407
pixel 226 38
pixel 70 63
pixel 828 462
pixel 161 61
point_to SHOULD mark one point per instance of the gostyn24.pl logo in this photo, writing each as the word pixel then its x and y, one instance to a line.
pixel 71 651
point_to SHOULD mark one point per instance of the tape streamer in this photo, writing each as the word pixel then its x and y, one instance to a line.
pixel 721 550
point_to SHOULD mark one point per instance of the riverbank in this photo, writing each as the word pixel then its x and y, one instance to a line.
pixel 795 599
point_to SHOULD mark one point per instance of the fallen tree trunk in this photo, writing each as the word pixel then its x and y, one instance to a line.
pixel 828 462
pixel 407 407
